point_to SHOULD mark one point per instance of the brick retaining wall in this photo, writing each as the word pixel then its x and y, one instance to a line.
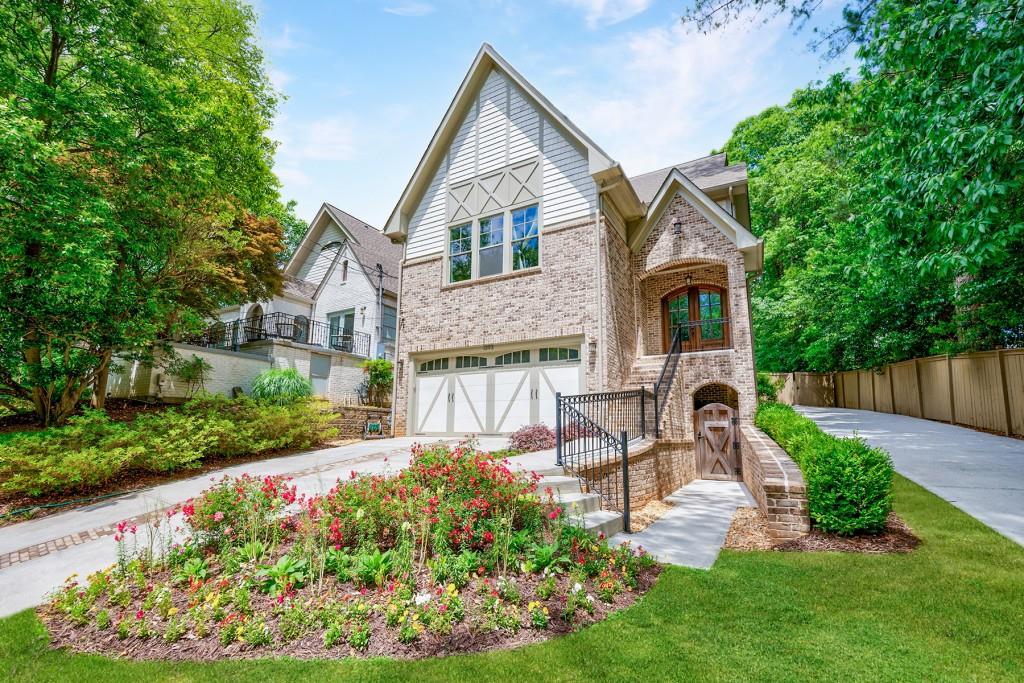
pixel 776 483
pixel 656 469
pixel 351 420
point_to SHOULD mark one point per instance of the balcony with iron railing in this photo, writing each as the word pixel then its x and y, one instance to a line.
pixel 282 327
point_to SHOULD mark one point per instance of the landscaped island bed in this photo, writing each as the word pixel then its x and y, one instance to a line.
pixel 456 553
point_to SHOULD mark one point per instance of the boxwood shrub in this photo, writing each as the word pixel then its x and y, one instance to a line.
pixel 91 450
pixel 849 484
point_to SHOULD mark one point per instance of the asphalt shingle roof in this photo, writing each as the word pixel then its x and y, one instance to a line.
pixel 706 172
pixel 371 247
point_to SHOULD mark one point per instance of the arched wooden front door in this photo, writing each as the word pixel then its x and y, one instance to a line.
pixel 717 457
pixel 700 310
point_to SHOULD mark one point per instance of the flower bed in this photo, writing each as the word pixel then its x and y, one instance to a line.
pixel 454 554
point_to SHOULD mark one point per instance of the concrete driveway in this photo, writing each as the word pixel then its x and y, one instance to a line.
pixel 980 473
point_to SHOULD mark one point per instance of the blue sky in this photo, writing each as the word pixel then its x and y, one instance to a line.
pixel 366 82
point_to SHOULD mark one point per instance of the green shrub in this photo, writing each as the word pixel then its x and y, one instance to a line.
pixel 767 388
pixel 281 386
pixel 849 484
pixel 380 376
pixel 91 450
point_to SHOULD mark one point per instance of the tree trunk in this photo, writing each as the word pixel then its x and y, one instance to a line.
pixel 99 386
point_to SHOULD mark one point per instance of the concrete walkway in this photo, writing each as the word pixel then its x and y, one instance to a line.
pixel 37 555
pixel 691 534
pixel 980 473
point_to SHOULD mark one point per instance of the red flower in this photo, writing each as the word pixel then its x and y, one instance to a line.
pixel 139 615
pixel 488 537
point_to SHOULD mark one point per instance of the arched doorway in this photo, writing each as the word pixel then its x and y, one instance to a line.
pixel 700 313
pixel 716 431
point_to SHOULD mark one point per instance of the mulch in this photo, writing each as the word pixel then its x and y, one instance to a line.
pixel 647 515
pixel 466 636
pixel 897 537
pixel 749 531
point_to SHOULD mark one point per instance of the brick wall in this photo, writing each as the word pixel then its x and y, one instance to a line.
pixel 776 483
pixel 620 331
pixel 715 260
pixel 351 420
pixel 559 299
pixel 655 471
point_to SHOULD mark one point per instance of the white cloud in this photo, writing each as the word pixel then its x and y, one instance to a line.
pixel 279 79
pixel 291 176
pixel 672 88
pixel 608 12
pixel 328 139
pixel 284 40
pixel 412 8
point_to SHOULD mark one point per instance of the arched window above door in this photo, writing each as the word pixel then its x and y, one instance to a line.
pixel 700 313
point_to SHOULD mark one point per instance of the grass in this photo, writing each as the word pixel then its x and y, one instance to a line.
pixel 952 610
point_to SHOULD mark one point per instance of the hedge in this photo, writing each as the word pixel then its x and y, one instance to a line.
pixel 91 450
pixel 849 484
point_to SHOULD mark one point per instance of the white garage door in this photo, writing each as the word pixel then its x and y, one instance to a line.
pixel 493 394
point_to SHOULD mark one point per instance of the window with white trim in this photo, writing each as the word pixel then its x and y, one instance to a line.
pixel 470 362
pixel 434 365
pixel 486 246
pixel 460 252
pixel 525 244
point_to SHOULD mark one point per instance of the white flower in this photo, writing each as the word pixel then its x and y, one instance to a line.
pixel 576 588
pixel 422 598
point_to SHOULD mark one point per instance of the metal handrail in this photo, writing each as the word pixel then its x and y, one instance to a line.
pixel 664 384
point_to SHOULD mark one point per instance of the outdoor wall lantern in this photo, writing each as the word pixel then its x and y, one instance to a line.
pixel 678 227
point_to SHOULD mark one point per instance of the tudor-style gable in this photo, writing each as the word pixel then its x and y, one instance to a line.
pixel 501 144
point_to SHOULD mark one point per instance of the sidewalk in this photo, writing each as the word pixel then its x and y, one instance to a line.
pixel 691 534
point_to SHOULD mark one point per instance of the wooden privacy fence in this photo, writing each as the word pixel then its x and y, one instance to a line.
pixel 984 390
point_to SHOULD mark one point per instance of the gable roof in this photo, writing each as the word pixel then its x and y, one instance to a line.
pixel 486 60
pixel 301 289
pixel 675 182
pixel 707 173
pixel 368 245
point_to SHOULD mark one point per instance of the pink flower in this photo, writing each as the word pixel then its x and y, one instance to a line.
pixel 139 615
pixel 218 516
pixel 555 513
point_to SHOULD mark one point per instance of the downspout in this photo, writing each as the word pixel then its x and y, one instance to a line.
pixel 398 354
pixel 602 384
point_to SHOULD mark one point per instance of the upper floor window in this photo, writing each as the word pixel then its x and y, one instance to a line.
pixel 344 270
pixel 492 243
pixel 525 253
pixel 485 246
pixel 460 252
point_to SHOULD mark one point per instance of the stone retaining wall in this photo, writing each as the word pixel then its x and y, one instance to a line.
pixel 776 483
pixel 351 420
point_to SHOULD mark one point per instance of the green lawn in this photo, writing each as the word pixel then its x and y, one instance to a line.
pixel 952 610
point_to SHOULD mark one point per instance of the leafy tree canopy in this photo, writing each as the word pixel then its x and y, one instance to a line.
pixel 891 207
pixel 136 191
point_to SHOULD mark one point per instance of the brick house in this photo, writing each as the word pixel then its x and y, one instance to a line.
pixel 534 265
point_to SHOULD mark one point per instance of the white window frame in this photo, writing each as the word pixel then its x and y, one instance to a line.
pixel 506 253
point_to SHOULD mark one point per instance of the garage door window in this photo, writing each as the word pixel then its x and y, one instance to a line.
pixel 470 362
pixel 433 365
pixel 513 358
pixel 560 353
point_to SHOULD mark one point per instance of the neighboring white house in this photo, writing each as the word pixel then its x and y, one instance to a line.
pixel 338 308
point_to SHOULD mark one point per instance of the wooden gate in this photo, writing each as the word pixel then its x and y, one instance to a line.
pixel 716 433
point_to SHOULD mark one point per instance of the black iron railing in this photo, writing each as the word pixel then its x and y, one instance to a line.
pixel 667 376
pixel 282 326
pixel 592 437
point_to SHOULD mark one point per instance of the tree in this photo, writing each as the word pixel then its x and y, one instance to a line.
pixel 294 230
pixel 135 183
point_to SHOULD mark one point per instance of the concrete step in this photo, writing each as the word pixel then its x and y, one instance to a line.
pixel 603 521
pixel 560 484
pixel 576 504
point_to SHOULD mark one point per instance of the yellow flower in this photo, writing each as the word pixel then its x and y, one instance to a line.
pixel 172 611
pixel 545 611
